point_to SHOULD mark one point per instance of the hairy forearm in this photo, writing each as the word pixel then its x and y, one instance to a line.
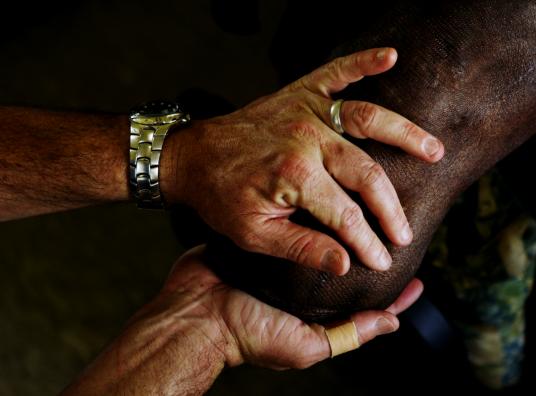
pixel 53 161
pixel 167 349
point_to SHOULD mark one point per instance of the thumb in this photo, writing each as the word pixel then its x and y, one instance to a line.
pixel 370 324
pixel 360 329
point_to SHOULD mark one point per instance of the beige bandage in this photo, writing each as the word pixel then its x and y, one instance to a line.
pixel 342 338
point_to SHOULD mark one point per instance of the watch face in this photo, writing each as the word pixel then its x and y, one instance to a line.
pixel 157 108
pixel 158 113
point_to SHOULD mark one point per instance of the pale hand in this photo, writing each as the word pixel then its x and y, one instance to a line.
pixel 246 172
pixel 259 334
pixel 179 342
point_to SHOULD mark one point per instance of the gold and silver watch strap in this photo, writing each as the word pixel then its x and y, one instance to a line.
pixel 146 142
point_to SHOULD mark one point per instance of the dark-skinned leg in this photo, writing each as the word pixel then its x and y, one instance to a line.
pixel 466 74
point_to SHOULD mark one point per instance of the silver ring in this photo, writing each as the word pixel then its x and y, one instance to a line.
pixel 335 114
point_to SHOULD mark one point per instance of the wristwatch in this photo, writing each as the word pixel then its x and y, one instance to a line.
pixel 149 125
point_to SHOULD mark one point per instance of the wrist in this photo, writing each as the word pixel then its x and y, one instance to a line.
pixel 171 346
pixel 117 190
pixel 186 326
pixel 201 320
pixel 174 165
pixel 150 124
pixel 202 305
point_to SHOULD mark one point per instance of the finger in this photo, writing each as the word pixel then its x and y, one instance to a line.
pixel 337 74
pixel 357 171
pixel 360 329
pixel 409 295
pixel 326 201
pixel 371 324
pixel 305 246
pixel 342 338
pixel 367 120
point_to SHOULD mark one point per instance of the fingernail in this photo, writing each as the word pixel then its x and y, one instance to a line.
pixel 384 326
pixel 406 234
pixel 331 261
pixel 381 54
pixel 385 260
pixel 431 146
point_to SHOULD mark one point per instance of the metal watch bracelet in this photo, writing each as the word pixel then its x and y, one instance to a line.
pixel 147 134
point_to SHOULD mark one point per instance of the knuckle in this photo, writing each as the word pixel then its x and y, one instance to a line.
pixel 364 116
pixel 373 247
pixel 298 85
pixel 295 168
pixel 373 174
pixel 357 59
pixel 296 106
pixel 409 129
pixel 303 128
pixel 352 217
pixel 293 103
pixel 398 215
pixel 333 67
pixel 338 150
pixel 300 249
pixel 378 250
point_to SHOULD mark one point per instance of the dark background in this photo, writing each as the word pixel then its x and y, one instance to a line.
pixel 69 281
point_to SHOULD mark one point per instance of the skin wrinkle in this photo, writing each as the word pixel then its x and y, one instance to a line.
pixel 245 347
pixel 481 104
pixel 162 346
pixel 223 333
